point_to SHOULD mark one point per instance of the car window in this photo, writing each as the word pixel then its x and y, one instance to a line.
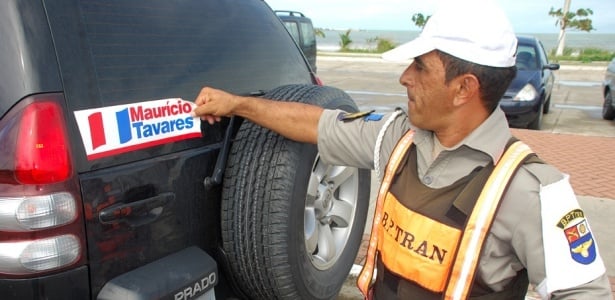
pixel 544 60
pixel 128 44
pixel 309 37
pixel 526 58
pixel 293 29
pixel 115 52
pixel 611 66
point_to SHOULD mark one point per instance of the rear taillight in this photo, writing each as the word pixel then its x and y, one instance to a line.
pixel 42 154
pixel 40 255
pixel 41 225
pixel 30 213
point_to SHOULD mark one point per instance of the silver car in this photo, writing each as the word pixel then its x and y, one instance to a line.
pixel 608 108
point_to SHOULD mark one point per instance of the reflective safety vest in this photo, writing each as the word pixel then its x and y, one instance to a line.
pixel 437 257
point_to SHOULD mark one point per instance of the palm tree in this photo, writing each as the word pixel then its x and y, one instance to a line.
pixel 345 40
pixel 575 20
pixel 319 32
pixel 420 20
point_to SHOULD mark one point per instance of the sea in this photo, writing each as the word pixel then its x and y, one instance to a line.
pixel 366 39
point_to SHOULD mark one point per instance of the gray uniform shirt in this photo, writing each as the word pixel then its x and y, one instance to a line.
pixel 515 240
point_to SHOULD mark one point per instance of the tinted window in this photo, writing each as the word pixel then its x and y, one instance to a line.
pixel 526 57
pixel 114 52
pixel 140 49
pixel 308 34
pixel 544 60
pixel 293 29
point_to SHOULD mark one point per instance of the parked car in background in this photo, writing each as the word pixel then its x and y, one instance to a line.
pixel 608 107
pixel 529 95
pixel 302 30
pixel 110 189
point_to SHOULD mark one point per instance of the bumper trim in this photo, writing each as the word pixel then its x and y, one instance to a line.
pixel 186 274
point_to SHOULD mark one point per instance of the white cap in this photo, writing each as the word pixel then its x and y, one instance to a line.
pixel 477 31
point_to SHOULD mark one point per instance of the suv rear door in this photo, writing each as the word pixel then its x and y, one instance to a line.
pixel 125 68
pixel 302 30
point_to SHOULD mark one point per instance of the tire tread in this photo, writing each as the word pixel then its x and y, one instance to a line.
pixel 255 232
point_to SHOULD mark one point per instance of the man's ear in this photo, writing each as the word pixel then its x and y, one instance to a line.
pixel 467 89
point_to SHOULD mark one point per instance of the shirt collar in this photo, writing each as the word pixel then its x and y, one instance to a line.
pixel 490 137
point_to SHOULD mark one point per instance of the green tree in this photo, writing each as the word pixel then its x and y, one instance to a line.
pixel 420 20
pixel 345 40
pixel 319 32
pixel 382 44
pixel 566 19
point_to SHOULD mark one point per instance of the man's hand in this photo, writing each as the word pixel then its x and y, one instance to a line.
pixel 212 104
pixel 296 121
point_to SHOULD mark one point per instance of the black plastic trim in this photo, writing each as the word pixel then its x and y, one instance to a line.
pixel 183 275
pixel 71 284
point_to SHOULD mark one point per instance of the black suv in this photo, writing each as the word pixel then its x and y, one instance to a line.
pixel 110 190
pixel 302 30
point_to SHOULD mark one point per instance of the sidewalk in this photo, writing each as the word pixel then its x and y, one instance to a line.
pixel 592 177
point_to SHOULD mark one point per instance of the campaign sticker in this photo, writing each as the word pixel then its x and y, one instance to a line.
pixel 118 129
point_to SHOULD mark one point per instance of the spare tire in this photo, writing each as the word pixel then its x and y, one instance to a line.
pixel 291 225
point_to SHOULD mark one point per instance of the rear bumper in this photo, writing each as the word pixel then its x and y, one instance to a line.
pixel 186 274
pixel 72 284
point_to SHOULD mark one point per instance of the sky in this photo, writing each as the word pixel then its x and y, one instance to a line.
pixel 526 16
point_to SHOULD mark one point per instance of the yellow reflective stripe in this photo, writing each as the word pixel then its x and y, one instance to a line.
pixel 480 220
pixel 365 277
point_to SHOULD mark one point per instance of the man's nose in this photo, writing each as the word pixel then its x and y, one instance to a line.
pixel 405 79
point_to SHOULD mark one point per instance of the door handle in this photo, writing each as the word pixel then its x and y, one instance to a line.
pixel 136 213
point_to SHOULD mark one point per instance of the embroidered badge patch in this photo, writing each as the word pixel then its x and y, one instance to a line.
pixel 366 115
pixel 579 237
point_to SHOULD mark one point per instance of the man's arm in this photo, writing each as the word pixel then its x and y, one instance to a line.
pixel 296 121
pixel 541 245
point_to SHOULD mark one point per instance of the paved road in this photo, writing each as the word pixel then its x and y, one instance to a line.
pixel 574 137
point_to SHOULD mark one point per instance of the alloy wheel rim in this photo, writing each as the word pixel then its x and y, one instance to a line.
pixel 330 212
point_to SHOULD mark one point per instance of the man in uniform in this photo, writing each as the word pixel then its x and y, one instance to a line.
pixel 463 211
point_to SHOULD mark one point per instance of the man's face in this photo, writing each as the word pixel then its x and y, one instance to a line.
pixel 429 99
